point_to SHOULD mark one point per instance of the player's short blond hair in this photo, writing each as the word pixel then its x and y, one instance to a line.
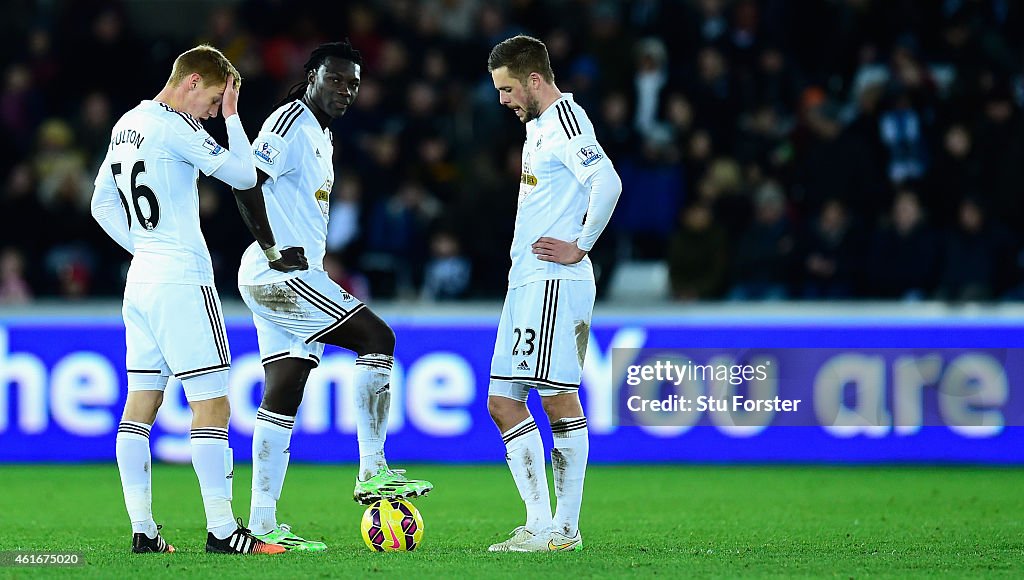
pixel 208 62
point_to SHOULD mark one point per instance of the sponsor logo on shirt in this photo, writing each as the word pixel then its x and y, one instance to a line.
pixel 528 179
pixel 265 152
pixel 323 196
pixel 212 145
pixel 589 155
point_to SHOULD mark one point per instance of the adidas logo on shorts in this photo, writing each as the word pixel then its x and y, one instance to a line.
pixel 523 366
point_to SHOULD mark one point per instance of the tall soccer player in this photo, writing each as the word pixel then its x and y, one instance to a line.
pixel 146 199
pixel 297 313
pixel 567 192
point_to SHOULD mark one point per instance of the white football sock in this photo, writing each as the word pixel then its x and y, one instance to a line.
pixel 212 460
pixel 524 452
pixel 569 465
pixel 373 403
pixel 135 463
pixel 270 454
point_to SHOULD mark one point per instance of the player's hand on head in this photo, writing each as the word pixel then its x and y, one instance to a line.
pixel 229 102
pixel 558 251
pixel 291 259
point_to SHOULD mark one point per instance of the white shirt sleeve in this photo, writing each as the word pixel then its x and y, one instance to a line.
pixel 109 210
pixel 233 165
pixel 586 159
pixel 238 169
pixel 270 153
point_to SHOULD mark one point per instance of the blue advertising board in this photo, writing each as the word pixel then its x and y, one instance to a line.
pixel 62 387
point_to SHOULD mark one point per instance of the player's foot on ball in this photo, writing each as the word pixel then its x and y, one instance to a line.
pixel 143 544
pixel 283 535
pixel 241 541
pixel 560 542
pixel 522 540
pixel 390 484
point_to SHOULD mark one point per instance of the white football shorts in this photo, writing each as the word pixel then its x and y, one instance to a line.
pixel 176 329
pixel 542 338
pixel 291 316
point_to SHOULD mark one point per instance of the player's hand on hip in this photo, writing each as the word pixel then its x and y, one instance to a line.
pixel 291 259
pixel 552 250
pixel 229 102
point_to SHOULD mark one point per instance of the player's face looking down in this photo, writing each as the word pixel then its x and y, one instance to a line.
pixel 202 101
pixel 517 96
pixel 333 86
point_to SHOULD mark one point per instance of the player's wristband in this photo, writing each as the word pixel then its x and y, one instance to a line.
pixel 272 253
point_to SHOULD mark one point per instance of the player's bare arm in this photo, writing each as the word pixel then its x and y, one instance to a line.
pixel 558 251
pixel 253 209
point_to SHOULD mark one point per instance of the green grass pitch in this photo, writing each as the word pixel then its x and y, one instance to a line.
pixel 673 521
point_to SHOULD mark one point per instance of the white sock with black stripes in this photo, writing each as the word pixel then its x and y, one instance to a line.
pixel 270 454
pixel 135 463
pixel 524 452
pixel 211 458
pixel 373 403
pixel 569 465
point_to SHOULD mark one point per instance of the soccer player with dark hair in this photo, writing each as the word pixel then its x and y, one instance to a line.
pixel 146 199
pixel 567 192
pixel 296 313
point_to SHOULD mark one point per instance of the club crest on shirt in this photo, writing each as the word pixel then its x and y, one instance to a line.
pixel 265 152
pixel 589 155
pixel 212 145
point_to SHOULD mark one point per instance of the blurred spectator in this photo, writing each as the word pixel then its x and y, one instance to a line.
pixel 903 135
pixel 343 225
pixel 650 80
pixel 59 164
pixel 698 256
pixel 447 272
pixel 22 218
pixel 397 239
pixel 723 187
pixel 761 263
pixel 20 111
pixel 829 254
pixel 618 137
pixel 92 128
pixel 904 258
pixel 14 288
pixel 1000 141
pixel 714 96
pixel 956 170
pixel 977 253
pixel 775 82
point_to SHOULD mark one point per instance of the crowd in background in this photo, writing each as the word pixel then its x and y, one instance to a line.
pixel 769 149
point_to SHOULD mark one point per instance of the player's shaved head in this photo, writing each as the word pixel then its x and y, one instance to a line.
pixel 207 62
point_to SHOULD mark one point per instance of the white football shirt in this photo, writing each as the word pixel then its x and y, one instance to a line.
pixel 154 159
pixel 297 156
pixel 560 156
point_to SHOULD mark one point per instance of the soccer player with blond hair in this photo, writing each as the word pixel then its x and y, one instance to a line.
pixel 146 198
